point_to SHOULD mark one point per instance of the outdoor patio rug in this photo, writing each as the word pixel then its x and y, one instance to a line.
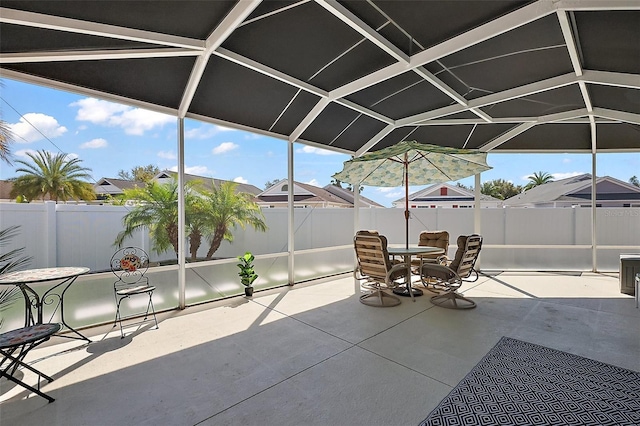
pixel 519 383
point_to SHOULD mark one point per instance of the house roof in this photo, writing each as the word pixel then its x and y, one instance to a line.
pixel 209 182
pixel 121 184
pixel 302 192
pixel 5 189
pixel 348 196
pixel 432 192
pixel 349 75
pixel 576 189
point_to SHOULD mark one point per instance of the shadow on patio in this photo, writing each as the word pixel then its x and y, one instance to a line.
pixel 313 355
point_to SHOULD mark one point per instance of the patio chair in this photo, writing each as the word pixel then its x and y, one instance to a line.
pixel 375 266
pixel 451 275
pixel 130 265
pixel 438 239
pixel 14 346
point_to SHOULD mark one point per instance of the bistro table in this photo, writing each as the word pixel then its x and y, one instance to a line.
pixel 54 296
pixel 407 254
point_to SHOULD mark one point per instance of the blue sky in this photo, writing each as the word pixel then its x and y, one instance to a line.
pixel 110 137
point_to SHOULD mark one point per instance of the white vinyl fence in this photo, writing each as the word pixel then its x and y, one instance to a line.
pixel 514 239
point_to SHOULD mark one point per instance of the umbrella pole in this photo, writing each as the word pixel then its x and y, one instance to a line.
pixel 406 200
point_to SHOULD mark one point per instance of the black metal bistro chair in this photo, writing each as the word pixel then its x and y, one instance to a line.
pixel 14 346
pixel 130 265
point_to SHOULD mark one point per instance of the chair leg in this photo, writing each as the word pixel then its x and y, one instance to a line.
pixel 379 299
pixel 453 300
pixel 118 318
pixel 153 311
pixel 15 362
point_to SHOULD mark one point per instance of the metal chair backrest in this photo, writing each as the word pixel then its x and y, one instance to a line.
pixel 468 251
pixel 372 254
pixel 129 265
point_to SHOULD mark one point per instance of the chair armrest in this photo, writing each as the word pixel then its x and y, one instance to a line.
pixel 441 272
pixel 398 270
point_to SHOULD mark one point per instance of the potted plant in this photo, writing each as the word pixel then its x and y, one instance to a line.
pixel 247 274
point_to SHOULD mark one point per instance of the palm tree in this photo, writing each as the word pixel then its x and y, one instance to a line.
pixel 633 180
pixel 227 209
pixel 10 261
pixel 5 138
pixel 538 178
pixel 54 175
pixel 157 210
pixel 13 259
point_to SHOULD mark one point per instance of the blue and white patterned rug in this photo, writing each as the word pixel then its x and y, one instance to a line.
pixel 519 383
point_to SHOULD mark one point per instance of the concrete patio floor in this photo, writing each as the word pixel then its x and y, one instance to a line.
pixel 314 355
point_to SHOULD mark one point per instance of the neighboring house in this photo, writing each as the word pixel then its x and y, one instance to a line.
pixel 5 193
pixel 112 187
pixel 309 196
pixel 446 195
pixel 5 190
pixel 208 182
pixel 576 191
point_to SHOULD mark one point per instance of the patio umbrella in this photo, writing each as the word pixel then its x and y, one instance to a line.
pixel 412 162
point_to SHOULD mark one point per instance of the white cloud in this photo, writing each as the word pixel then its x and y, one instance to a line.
pixel 22 153
pixel 134 121
pixel 559 176
pixel 394 195
pixel 386 189
pixel 206 131
pixel 169 155
pixel 312 150
pixel 240 179
pixel 224 147
pixel 95 143
pixel 313 182
pixel 33 125
pixel 195 170
pixel 566 160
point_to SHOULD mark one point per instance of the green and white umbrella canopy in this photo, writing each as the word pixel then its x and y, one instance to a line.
pixel 412 162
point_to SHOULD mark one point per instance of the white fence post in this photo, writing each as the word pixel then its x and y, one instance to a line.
pixel 51 236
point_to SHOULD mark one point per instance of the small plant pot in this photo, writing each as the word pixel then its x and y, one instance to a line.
pixel 248 291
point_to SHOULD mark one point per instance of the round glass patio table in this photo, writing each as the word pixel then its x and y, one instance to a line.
pixel 407 254
pixel 54 295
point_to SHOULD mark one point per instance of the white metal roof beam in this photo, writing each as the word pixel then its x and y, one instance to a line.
pixel 625 117
pixel 285 78
pixel 575 58
pixel 506 136
pixel 230 22
pixel 270 72
pixel 563 116
pixel 517 92
pixel 94 55
pixel 607 78
pixel 491 29
pixel 366 31
pixel 374 140
pixel 38 20
pixel 595 5
pixel 365 111
pixel 315 112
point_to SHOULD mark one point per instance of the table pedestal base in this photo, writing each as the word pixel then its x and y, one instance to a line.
pixel 405 292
